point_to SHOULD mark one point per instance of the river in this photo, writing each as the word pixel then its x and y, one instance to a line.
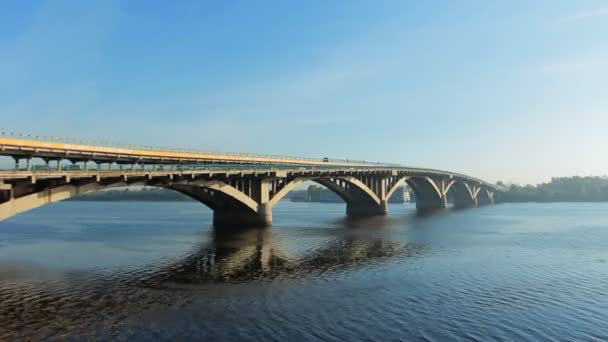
pixel 160 271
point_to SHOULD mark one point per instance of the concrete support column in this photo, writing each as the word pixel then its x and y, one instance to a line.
pixel 363 209
pixel 486 199
pixel 384 205
pixel 242 218
pixel 236 216
pixel 16 163
pixel 28 163
pixel 423 204
pixel 264 193
pixel 264 207
pixel 58 164
pixel 383 188
pixel 265 214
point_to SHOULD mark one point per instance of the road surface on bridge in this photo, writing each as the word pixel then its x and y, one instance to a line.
pixel 241 189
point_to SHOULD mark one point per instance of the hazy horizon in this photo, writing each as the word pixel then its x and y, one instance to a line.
pixel 511 91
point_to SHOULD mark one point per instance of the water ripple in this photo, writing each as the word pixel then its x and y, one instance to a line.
pixel 500 275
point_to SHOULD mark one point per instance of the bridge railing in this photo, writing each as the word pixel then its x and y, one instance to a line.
pixel 110 144
pixel 359 164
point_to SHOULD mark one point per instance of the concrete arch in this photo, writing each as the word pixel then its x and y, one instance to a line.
pixel 53 194
pixel 342 192
pixel 485 197
pixel 360 199
pixel 286 189
pixel 461 194
pixel 397 184
pixel 345 193
pixel 428 195
pixel 363 188
pixel 231 207
pixel 216 195
pixel 215 200
pixel 228 191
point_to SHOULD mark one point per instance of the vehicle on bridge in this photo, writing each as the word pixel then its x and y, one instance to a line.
pixel 240 189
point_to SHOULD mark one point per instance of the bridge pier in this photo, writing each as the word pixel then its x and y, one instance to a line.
pixel 464 197
pixel 357 209
pixel 430 204
pixel 243 218
pixel 265 214
pixel 486 199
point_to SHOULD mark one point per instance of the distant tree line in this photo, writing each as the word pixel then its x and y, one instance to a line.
pixel 565 189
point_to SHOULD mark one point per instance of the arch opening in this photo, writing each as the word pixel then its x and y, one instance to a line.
pixel 220 198
pixel 306 189
pixel 426 193
pixel 485 197
pixel 460 195
pixel 359 199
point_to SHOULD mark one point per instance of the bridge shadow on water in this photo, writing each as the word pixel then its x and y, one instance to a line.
pixel 256 254
pixel 84 301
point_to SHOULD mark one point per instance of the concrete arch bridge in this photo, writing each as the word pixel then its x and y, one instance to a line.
pixel 240 189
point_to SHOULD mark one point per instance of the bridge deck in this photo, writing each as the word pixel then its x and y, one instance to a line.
pixel 159 162
pixel 24 148
pixel 8 175
pixel 240 189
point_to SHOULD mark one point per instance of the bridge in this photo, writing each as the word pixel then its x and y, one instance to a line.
pixel 241 189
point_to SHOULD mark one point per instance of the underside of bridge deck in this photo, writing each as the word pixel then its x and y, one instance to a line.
pixel 245 198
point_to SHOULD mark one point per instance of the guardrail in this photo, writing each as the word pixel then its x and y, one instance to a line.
pixel 110 144
pixel 185 167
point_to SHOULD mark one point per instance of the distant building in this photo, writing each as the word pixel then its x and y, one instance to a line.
pixel 407 194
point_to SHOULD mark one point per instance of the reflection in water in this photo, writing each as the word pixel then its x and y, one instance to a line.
pixel 36 302
pixel 253 254
pixel 507 272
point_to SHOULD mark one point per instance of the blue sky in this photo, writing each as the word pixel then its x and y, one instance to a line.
pixel 503 90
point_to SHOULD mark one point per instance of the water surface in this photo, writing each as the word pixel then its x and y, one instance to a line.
pixel 128 270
